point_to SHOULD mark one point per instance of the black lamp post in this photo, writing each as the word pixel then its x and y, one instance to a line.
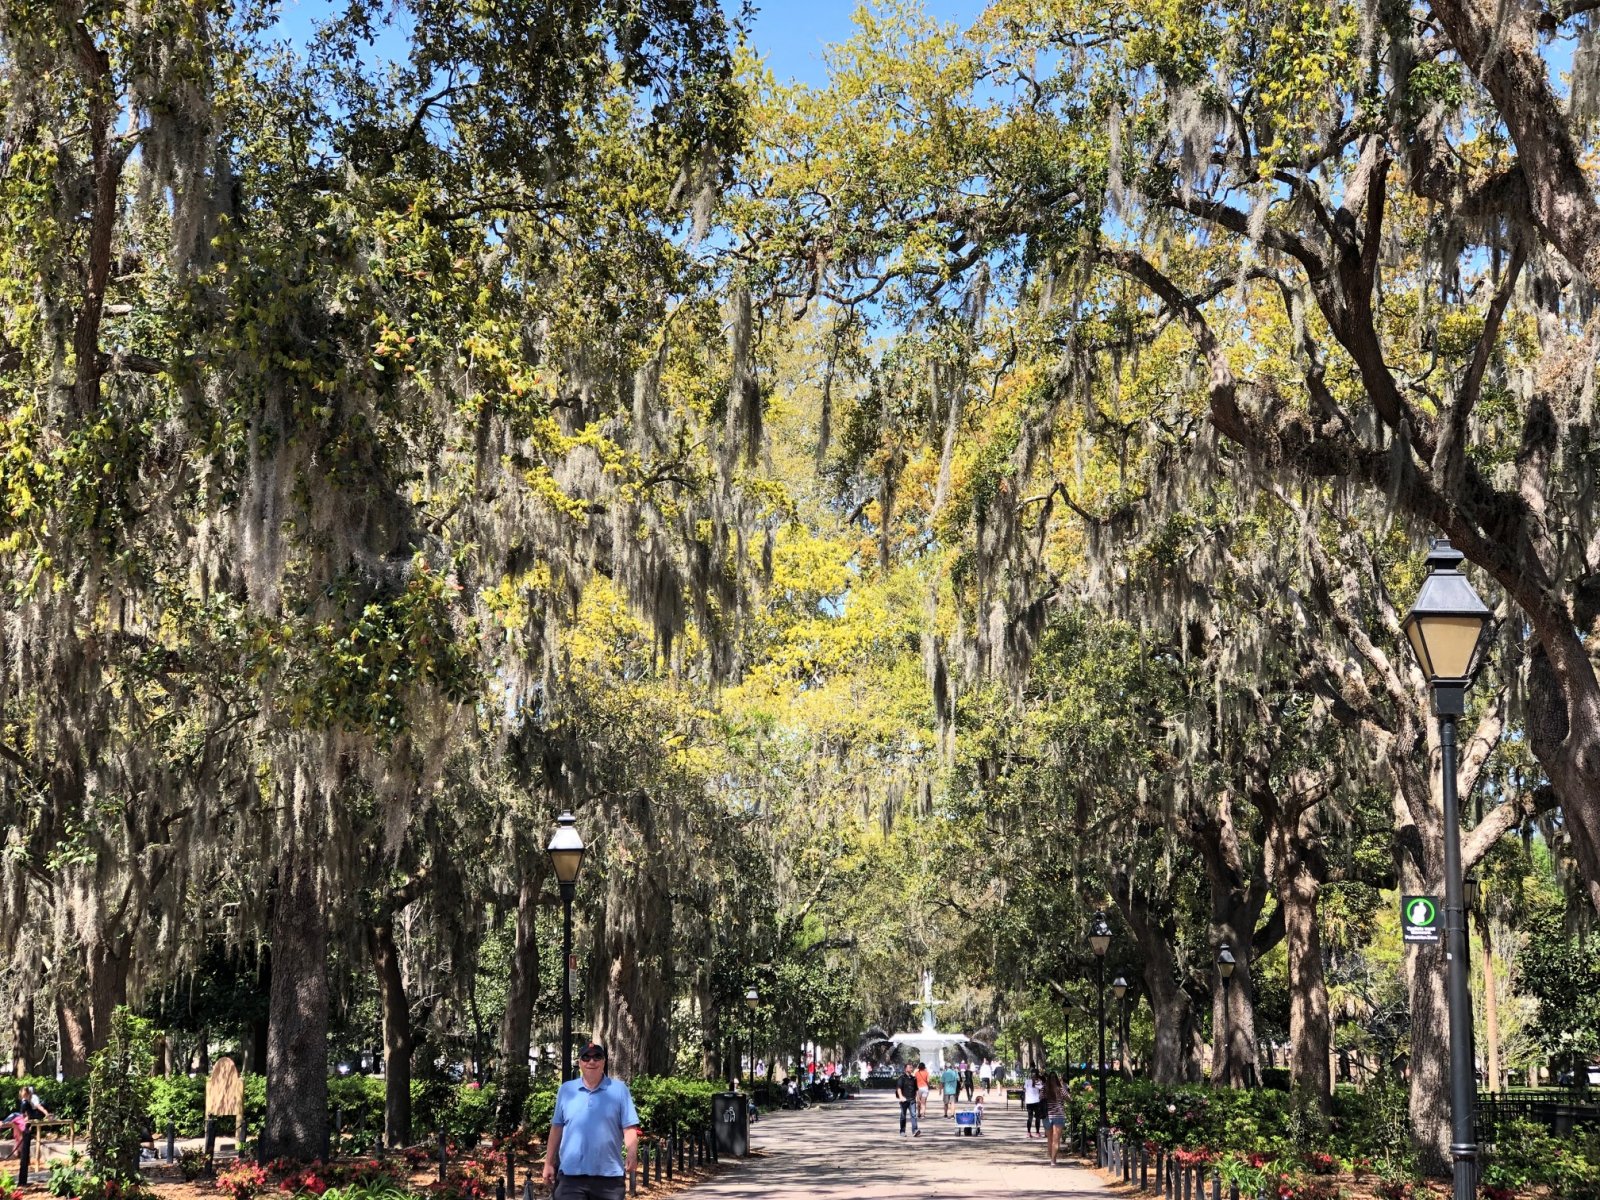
pixel 1100 942
pixel 1119 989
pixel 566 857
pixel 1448 628
pixel 751 999
pixel 1225 965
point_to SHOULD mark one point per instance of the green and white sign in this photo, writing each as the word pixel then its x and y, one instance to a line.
pixel 1419 920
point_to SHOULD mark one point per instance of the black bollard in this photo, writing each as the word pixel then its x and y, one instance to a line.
pixel 211 1142
pixel 527 1188
pixel 338 1122
pixel 633 1180
pixel 669 1156
pixel 511 1169
pixel 442 1154
pixel 499 1189
pixel 678 1137
pixel 1216 1185
pixel 655 1157
pixel 24 1153
pixel 1144 1169
pixel 172 1142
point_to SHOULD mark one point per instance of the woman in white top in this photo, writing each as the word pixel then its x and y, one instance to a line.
pixel 1033 1098
pixel 986 1074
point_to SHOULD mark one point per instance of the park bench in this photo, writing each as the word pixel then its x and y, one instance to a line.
pixel 1013 1094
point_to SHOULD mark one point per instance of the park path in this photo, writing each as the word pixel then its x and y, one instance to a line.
pixel 854 1149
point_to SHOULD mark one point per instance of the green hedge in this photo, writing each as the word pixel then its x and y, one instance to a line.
pixel 467 1111
pixel 1245 1120
pixel 664 1103
pixel 180 1100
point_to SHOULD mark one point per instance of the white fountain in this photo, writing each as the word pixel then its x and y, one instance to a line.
pixel 929 1044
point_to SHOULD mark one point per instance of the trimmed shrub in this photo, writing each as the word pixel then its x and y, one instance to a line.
pixel 1242 1121
pixel 665 1103
pixel 178 1100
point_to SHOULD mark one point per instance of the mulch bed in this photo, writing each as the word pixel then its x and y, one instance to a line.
pixel 167 1182
pixel 1348 1186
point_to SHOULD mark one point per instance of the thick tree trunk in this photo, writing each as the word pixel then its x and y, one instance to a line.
pixel 72 1018
pixel 22 1050
pixel 631 964
pixel 297 1037
pixel 396 1035
pixel 516 1026
pixel 108 987
pixel 1238 894
pixel 706 1007
pixel 1419 862
pixel 1310 1029
pixel 1298 871
pixel 1177 1042
pixel 1235 1056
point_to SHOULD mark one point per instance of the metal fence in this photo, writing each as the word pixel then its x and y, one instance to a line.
pixel 1559 1110
pixel 1161 1171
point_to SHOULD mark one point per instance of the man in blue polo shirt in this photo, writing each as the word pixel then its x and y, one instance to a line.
pixel 593 1122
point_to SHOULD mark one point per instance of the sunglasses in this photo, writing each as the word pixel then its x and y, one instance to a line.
pixel 591 1058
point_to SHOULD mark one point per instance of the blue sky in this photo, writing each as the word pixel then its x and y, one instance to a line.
pixel 790 34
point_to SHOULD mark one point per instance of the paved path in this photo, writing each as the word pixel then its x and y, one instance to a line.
pixel 854 1149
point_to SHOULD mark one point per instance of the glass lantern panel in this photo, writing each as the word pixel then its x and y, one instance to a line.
pixel 1451 642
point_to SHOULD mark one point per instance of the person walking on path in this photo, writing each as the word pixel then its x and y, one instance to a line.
pixel 966 1079
pixel 1054 1102
pixel 906 1087
pixel 922 1089
pixel 986 1074
pixel 594 1133
pixel 950 1080
pixel 1032 1095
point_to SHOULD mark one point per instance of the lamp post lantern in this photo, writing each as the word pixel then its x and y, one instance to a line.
pixel 1448 628
pixel 1100 942
pixel 566 849
pixel 1225 965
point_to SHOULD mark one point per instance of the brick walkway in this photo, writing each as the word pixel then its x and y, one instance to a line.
pixel 854 1149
